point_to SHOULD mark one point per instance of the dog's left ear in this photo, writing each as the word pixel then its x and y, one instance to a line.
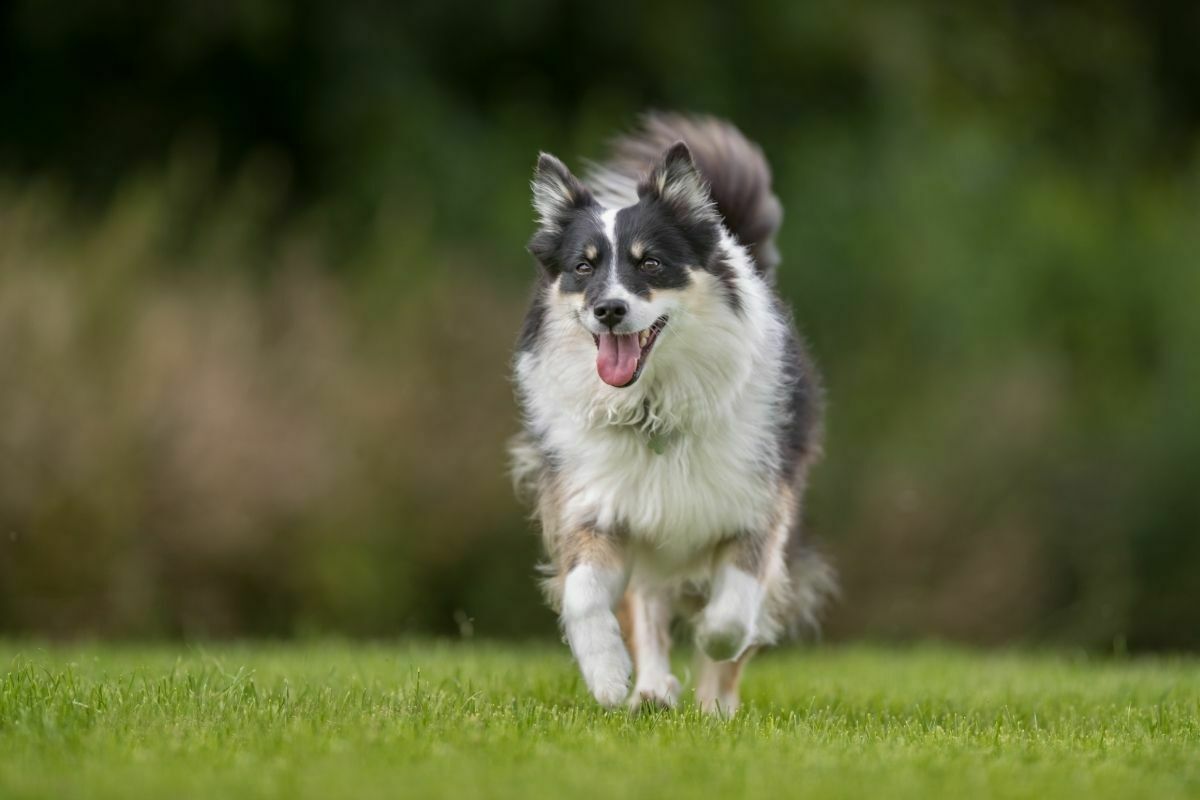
pixel 677 182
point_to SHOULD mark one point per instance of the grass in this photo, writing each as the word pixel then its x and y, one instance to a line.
pixel 453 720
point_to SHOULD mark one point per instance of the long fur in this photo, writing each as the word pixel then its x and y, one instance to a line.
pixel 703 459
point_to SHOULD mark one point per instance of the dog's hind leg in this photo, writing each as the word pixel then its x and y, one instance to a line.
pixel 595 577
pixel 717 683
pixel 729 622
pixel 649 623
pixel 748 571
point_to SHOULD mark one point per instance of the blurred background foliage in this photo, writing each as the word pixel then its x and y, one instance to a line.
pixel 261 266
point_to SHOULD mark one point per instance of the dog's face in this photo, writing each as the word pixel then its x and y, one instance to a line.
pixel 624 274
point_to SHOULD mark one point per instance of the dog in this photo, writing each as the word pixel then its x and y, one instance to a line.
pixel 671 413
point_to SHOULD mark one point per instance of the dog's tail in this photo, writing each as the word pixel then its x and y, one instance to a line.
pixel 813 584
pixel 735 168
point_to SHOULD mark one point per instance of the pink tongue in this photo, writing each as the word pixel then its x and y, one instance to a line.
pixel 617 358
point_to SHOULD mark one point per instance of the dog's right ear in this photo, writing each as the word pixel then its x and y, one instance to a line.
pixel 557 197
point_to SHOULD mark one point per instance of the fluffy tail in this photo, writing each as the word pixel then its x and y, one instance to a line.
pixel 735 168
pixel 813 585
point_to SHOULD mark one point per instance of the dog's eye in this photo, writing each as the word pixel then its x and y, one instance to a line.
pixel 583 268
pixel 650 264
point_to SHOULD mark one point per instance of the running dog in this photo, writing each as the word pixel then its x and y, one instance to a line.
pixel 671 412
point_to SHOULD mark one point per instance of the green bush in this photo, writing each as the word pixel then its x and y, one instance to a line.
pixel 257 297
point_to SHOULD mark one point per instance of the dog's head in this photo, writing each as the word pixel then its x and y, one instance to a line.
pixel 627 274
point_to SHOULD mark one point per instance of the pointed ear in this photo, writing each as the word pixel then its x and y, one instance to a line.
pixel 557 197
pixel 557 194
pixel 676 182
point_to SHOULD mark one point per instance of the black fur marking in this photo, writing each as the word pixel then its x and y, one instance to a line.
pixel 582 233
pixel 737 174
pixel 558 251
pixel 800 430
pixel 654 229
pixel 723 271
pixel 535 318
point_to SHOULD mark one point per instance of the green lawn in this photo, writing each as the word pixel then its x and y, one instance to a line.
pixel 451 720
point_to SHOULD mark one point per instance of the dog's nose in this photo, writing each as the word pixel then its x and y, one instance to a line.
pixel 611 312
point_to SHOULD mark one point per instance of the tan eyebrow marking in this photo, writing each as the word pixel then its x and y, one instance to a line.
pixel 638 249
pixel 590 252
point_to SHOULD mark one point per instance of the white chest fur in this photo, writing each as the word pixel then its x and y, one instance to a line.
pixel 706 484
pixel 713 390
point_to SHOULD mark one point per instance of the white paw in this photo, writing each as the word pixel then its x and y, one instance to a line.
pixel 655 692
pixel 723 638
pixel 727 622
pixel 607 676
pixel 594 633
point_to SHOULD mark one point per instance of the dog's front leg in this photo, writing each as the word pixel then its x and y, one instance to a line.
pixel 728 622
pixel 595 581
pixel 650 631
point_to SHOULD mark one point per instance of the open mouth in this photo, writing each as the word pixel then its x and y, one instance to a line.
pixel 620 357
